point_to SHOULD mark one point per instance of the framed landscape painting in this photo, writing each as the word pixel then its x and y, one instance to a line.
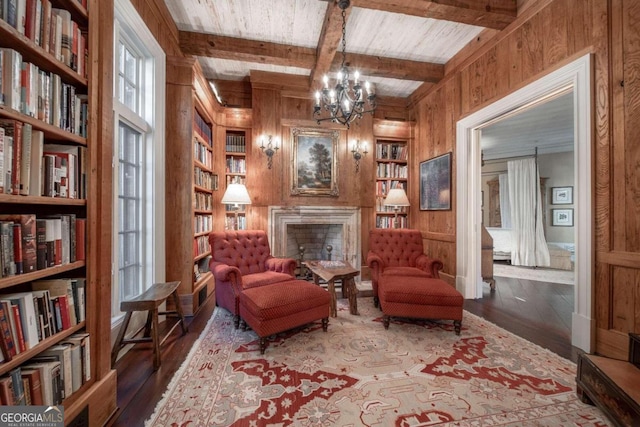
pixel 435 183
pixel 314 171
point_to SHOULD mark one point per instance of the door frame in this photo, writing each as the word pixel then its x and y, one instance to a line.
pixel 576 75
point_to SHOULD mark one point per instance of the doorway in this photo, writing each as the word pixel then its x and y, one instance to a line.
pixel 577 76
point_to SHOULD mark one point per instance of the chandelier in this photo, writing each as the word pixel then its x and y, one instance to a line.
pixel 345 102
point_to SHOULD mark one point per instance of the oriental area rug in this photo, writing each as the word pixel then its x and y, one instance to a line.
pixel 416 373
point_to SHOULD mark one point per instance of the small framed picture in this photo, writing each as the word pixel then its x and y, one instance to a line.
pixel 561 195
pixel 562 217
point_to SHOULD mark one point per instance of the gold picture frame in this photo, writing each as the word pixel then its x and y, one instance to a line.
pixel 314 169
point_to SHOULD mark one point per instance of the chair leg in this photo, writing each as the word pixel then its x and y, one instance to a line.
pixel 386 319
pixel 325 324
pixel 263 345
pixel 236 321
pixel 118 344
pixel 457 325
pixel 376 302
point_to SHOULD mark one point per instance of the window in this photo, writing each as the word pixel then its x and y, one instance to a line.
pixel 138 158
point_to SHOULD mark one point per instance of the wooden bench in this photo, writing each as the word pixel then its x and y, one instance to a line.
pixel 149 301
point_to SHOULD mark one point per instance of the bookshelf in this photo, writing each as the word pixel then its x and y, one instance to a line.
pixel 50 196
pixel 189 216
pixel 235 172
pixel 391 172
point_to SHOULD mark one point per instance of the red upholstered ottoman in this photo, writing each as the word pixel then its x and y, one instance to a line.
pixel 282 306
pixel 420 297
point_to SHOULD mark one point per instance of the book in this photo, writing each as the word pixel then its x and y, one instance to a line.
pixel 83 339
pixel 50 241
pixel 49 379
pixel 6 249
pixel 25 160
pixel 8 161
pixel 11 70
pixel 27 224
pixel 2 173
pixel 62 353
pixel 13 128
pixel 24 300
pixel 41 244
pixel 6 342
pixel 35 385
pixel 35 179
pixel 57 288
pixel 81 229
pixel 18 335
pixel 18 388
pixel 45 317
pixel 6 391
pixel 17 248
pixel 76 364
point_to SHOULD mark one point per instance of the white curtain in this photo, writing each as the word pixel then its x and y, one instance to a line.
pixel 529 245
pixel 505 206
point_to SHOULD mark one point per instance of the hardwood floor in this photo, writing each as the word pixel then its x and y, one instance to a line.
pixel 539 312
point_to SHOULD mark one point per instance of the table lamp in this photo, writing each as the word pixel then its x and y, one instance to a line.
pixel 236 195
pixel 396 198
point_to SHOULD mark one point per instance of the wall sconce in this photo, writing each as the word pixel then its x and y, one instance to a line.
pixel 270 149
pixel 359 150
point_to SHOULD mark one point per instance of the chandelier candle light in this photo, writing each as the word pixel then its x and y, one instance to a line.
pixel 344 103
pixel 270 149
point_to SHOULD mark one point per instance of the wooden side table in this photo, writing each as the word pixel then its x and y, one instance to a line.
pixel 330 271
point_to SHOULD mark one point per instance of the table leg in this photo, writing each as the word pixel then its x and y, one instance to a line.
pixel 353 295
pixel 334 304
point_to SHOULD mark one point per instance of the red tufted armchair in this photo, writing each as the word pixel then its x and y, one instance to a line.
pixel 398 252
pixel 242 260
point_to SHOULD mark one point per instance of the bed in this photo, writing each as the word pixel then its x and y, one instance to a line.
pixel 559 257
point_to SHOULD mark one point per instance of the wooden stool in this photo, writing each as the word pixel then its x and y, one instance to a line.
pixel 149 301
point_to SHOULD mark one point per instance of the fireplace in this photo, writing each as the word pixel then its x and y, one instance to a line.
pixel 292 226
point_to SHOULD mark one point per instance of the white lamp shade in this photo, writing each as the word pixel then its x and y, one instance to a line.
pixel 396 197
pixel 236 194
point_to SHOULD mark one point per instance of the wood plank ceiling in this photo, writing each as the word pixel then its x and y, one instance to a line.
pixel 396 44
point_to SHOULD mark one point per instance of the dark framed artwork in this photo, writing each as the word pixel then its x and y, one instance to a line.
pixel 435 183
pixel 314 171
pixel 561 195
pixel 562 217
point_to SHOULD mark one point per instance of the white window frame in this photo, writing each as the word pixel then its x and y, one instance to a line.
pixel 130 26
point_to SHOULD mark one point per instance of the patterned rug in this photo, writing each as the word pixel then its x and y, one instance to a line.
pixel 417 373
pixel 538 274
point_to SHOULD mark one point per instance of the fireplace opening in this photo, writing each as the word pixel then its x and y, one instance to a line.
pixel 314 241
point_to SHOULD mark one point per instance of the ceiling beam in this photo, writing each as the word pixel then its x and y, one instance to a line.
pixel 328 42
pixel 212 46
pixel 496 14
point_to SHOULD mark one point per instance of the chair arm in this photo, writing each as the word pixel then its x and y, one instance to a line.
pixel 375 263
pixel 430 265
pixel 281 265
pixel 226 273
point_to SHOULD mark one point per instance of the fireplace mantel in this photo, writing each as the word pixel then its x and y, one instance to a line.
pixel 348 217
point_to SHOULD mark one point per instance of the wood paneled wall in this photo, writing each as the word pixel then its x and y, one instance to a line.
pixel 549 34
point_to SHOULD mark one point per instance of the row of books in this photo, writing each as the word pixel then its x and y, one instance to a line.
pixel 391 151
pixel 381 208
pixel 205 179
pixel 201 245
pixel 201 153
pixel 389 222
pixel 383 187
pixel 50 28
pixel 37 93
pixel 201 267
pixel 236 165
pixel 202 223
pixel 27 318
pixel 51 376
pixel 236 144
pixel 203 201
pixel 30 167
pixel 29 243
pixel 202 128
pixel 236 223
pixel 392 170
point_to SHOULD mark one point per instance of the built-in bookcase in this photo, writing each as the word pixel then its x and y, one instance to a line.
pixel 391 172
pixel 235 172
pixel 47 291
